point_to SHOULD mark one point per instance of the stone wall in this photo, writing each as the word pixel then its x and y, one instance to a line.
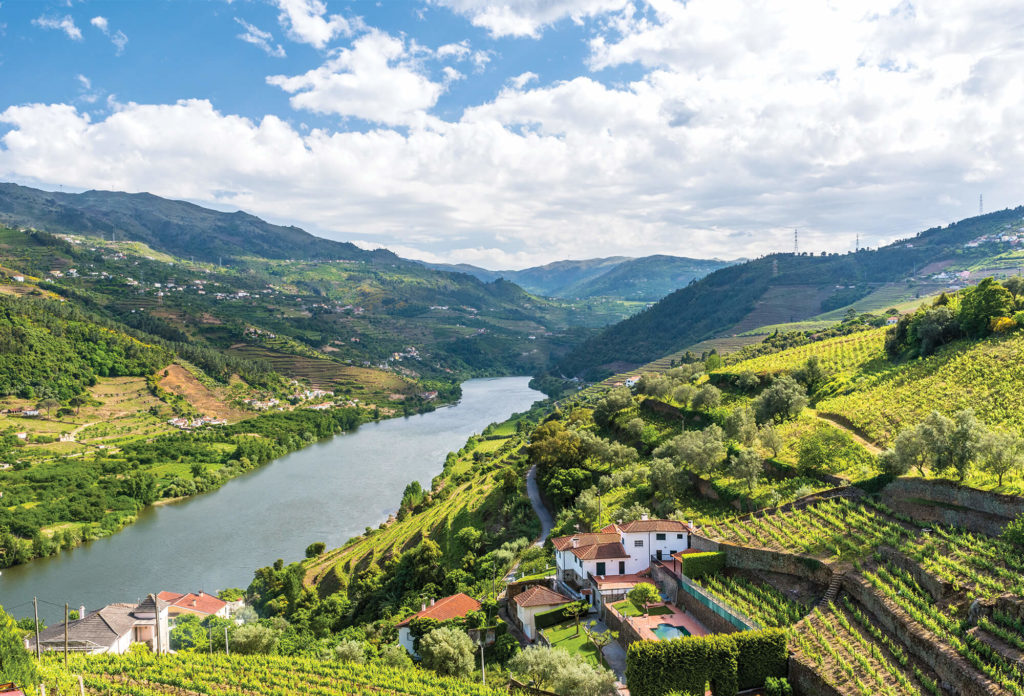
pixel 807 682
pixel 979 511
pixel 801 566
pixel 710 619
pixel 938 589
pixel 953 670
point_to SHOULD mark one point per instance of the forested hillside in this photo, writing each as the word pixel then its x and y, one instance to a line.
pixel 713 305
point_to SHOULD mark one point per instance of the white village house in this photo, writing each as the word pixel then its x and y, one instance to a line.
pixel 112 629
pixel 618 549
pixel 536 600
pixel 453 607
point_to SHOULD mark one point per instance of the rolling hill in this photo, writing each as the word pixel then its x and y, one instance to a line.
pixel 783 288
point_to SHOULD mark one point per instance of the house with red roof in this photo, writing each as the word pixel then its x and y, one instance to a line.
pixel 455 606
pixel 536 600
pixel 198 603
pixel 618 549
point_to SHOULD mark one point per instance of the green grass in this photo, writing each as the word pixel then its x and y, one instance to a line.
pixel 564 636
pixel 546 573
pixel 627 608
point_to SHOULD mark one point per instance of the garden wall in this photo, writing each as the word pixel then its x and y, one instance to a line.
pixel 950 503
pixel 716 623
pixel 952 669
pixel 747 558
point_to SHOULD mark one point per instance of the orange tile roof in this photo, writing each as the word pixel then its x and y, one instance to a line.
pixel 540 596
pixel 201 603
pixel 598 552
pixel 650 526
pixel 585 539
pixel 453 607
pixel 620 582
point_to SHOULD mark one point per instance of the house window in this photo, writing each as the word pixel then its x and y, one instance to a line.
pixel 622 567
pixel 659 537
pixel 638 542
pixel 600 569
pixel 679 536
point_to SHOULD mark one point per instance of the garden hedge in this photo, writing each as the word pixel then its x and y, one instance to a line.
pixel 551 617
pixel 697 565
pixel 728 662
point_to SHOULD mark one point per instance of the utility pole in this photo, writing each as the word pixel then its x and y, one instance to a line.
pixel 65 634
pixel 483 669
pixel 227 649
pixel 35 610
pixel 796 243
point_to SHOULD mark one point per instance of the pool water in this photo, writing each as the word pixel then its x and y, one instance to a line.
pixel 666 631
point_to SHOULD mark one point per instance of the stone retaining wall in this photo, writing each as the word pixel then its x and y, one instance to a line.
pixel 714 622
pixel 979 511
pixel 807 682
pixel 938 589
pixel 953 670
pixel 801 566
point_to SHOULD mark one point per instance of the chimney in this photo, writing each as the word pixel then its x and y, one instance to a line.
pixel 643 517
pixel 575 542
pixel 81 611
pixel 431 601
pixel 423 607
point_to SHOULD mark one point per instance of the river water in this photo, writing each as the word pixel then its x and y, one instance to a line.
pixel 327 492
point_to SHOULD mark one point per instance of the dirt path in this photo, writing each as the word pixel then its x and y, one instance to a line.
pixel 835 423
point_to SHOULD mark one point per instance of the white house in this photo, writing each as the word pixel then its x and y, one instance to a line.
pixel 536 600
pixel 618 549
pixel 631 381
pixel 201 603
pixel 111 629
pixel 453 607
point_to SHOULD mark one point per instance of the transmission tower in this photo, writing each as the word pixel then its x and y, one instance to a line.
pixel 796 243
pixel 856 246
pixel 981 207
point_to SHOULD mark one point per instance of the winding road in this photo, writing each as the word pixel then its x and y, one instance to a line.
pixel 541 510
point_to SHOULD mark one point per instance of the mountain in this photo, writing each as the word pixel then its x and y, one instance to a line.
pixel 175 227
pixel 645 279
pixel 783 288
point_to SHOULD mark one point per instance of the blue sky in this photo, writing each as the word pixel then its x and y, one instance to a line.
pixel 518 133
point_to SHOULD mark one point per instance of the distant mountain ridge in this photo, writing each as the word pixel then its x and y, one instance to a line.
pixel 176 227
pixel 647 278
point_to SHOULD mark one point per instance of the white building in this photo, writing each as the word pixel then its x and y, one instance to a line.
pixel 453 607
pixel 618 549
pixel 536 600
pixel 111 629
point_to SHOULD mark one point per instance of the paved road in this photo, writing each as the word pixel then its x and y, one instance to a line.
pixel 543 514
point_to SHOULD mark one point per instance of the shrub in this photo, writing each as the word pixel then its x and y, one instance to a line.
pixel 1014 531
pixel 551 617
pixel 762 654
pixel 16 665
pixel 448 651
pixel 697 565
pixel 777 687
pixel 351 651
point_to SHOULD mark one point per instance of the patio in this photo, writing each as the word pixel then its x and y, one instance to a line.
pixel 649 627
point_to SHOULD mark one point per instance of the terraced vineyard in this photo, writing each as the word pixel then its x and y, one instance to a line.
pixel 984 566
pixel 821 530
pixel 186 674
pixel 848 651
pixel 762 603
pixel 841 354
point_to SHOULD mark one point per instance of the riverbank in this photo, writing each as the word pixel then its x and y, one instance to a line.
pixel 328 491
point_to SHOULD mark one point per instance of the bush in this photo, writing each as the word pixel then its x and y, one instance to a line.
pixel 777 687
pixel 563 673
pixel 1014 531
pixel 448 651
pixel 697 565
pixel 16 665
pixel 728 661
pixel 351 651
pixel 394 655
pixel 551 618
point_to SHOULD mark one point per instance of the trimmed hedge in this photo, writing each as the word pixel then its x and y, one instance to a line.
pixel 697 565
pixel 552 617
pixel 728 662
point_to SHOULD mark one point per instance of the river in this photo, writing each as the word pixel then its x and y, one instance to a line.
pixel 328 492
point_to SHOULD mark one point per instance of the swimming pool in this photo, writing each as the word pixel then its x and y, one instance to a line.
pixel 666 631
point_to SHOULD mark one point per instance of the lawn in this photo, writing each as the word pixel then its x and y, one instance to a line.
pixel 564 636
pixel 546 573
pixel 627 608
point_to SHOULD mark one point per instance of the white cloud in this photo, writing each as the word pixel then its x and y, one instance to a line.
pixel 305 22
pixel 262 39
pixel 65 24
pixel 747 121
pixel 377 79
pixel 520 81
pixel 527 17
pixel 118 38
pixel 458 51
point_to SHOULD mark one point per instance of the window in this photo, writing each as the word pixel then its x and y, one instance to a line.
pixel 679 536
pixel 638 542
pixel 659 537
pixel 600 569
pixel 622 567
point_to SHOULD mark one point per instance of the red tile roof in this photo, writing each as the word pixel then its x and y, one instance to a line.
pixel 649 526
pixel 201 603
pixel 453 607
pixel 585 539
pixel 621 582
pixel 540 596
pixel 599 552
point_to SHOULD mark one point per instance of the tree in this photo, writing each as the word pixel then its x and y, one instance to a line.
pixel 48 405
pixel 254 639
pixel 965 442
pixel 934 433
pixel 741 426
pixel 315 549
pixel 822 450
pixel 615 401
pixel 78 402
pixel 981 303
pixel 351 651
pixel 563 673
pixel 663 476
pixel 644 594
pixel 16 665
pixel 505 648
pixel 746 465
pixel 782 400
pixel 190 634
pixel 576 610
pixel 907 452
pixel 448 651
pixel 811 374
pixel 394 655
pixel 1001 454
pixel 700 451
pixel 632 512
pixel 770 439
pixel 707 398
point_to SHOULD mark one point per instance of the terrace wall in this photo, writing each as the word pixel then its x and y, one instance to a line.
pixel 953 670
pixel 801 566
pixel 714 622
pixel 938 589
pixel 807 682
pixel 949 503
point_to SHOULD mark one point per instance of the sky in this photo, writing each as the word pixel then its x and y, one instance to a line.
pixel 509 134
